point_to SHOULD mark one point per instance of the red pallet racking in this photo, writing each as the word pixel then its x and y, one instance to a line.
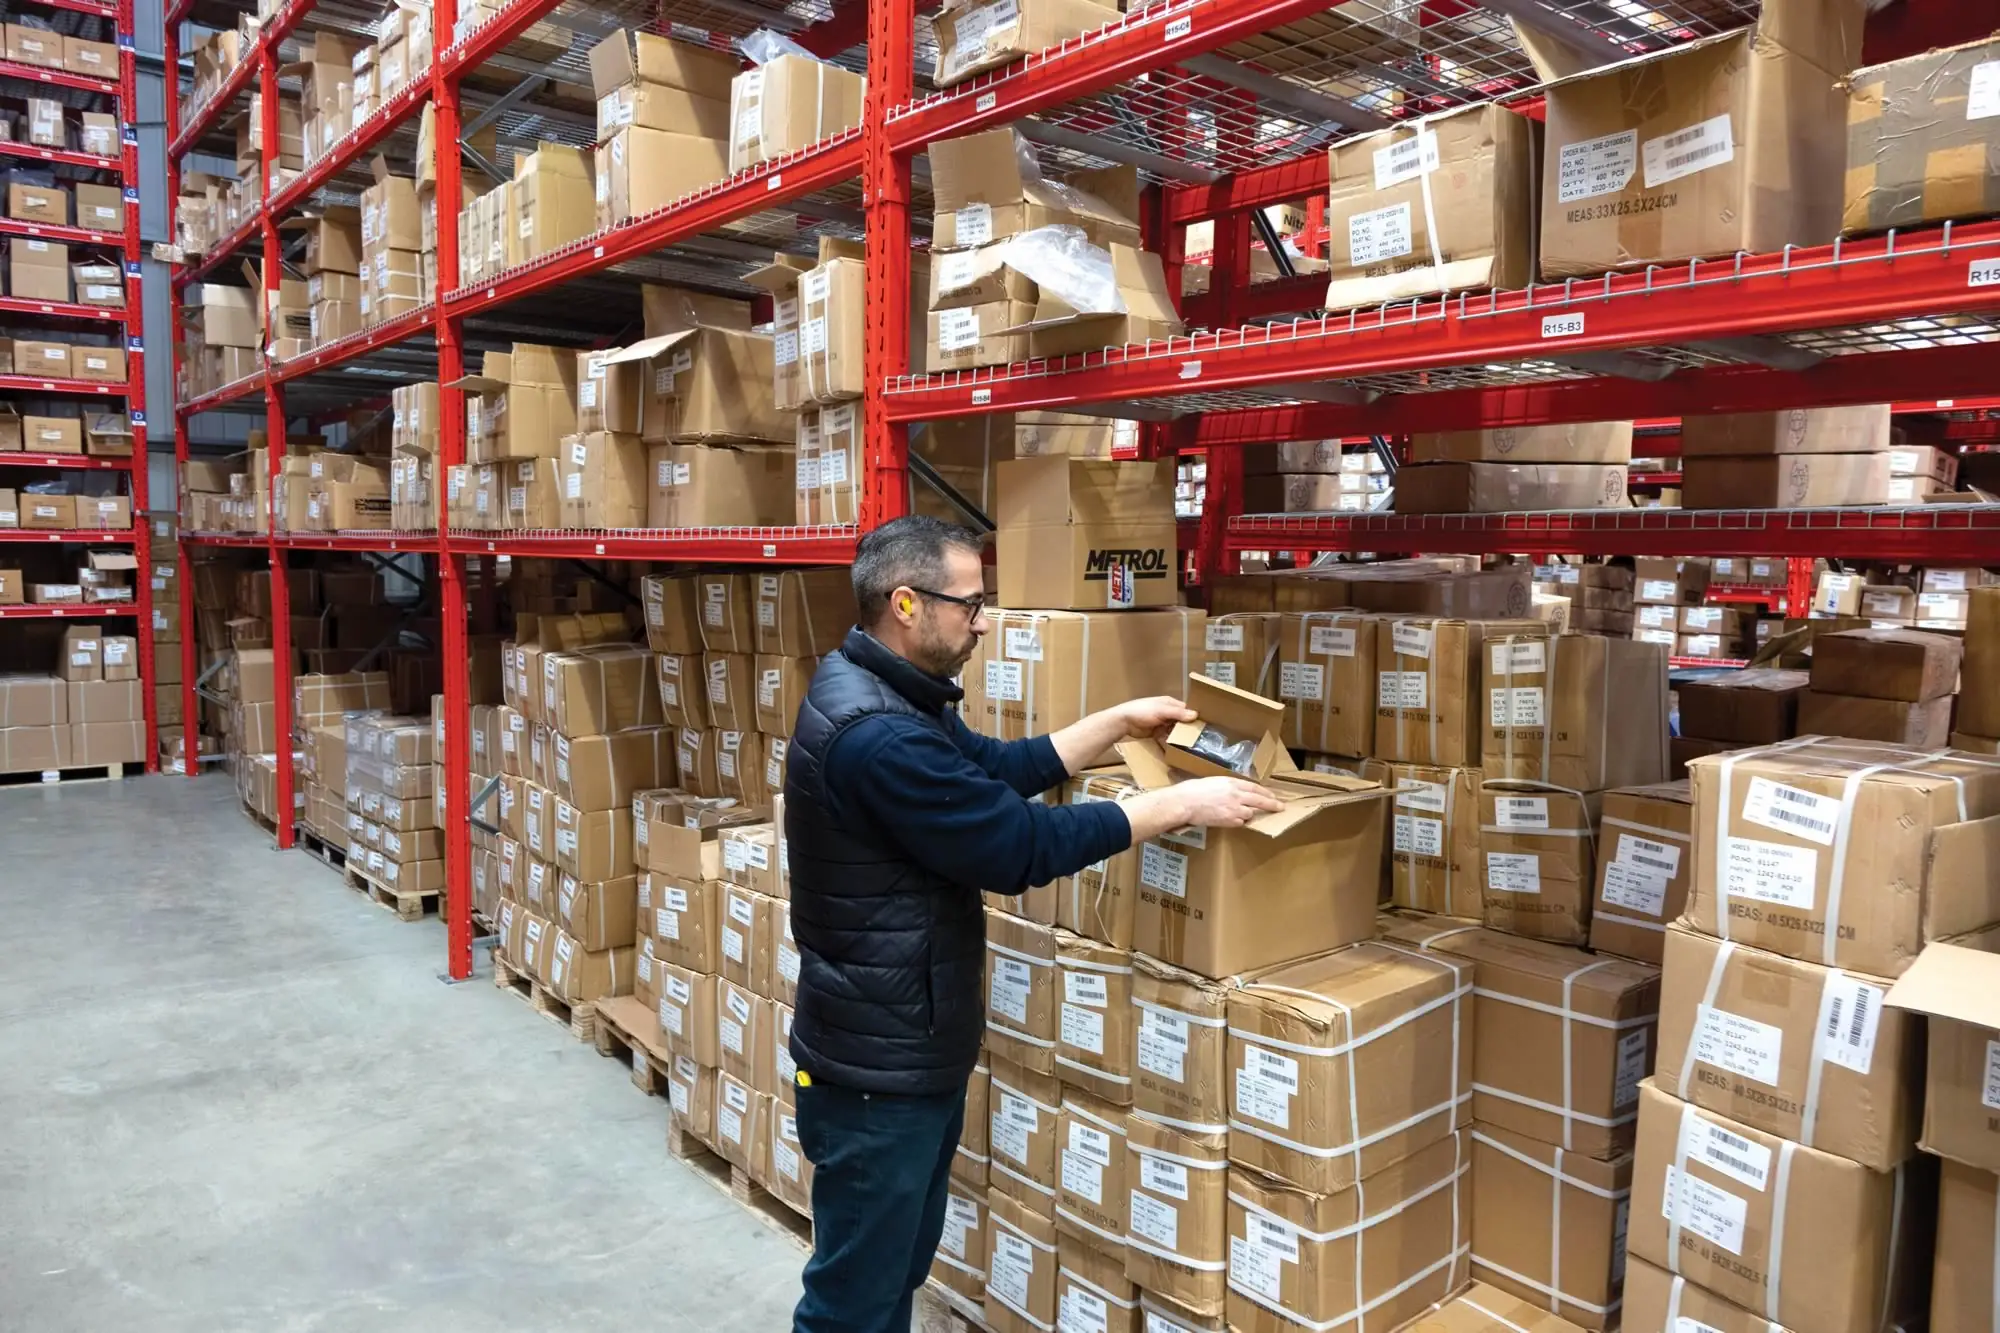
pixel 1864 321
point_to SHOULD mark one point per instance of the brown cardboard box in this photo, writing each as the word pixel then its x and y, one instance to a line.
pixel 1745 1033
pixel 11 593
pixel 35 749
pixel 1886 664
pixel 1092 1198
pixel 1715 1198
pixel 1483 1309
pixel 602 772
pixel 1909 163
pixel 1885 820
pixel 1021 1008
pixel 697 485
pixel 1024 1110
pixel 1966 1229
pixel 969 1163
pixel 640 169
pixel 1549 1226
pixel 603 481
pixel 982 34
pixel 598 689
pixel 55 435
pixel 1576 1090
pixel 38 203
pixel 686 924
pixel 1176 1238
pixel 1094 1017
pixel 1139 309
pixel 791 1169
pixel 1242 650
pixel 1538 848
pixel 988 187
pixel 100 365
pixel 1586 442
pixel 730 682
pixel 38 270
pixel 1397 1015
pixel 739 935
pixel 81 657
pixel 673 613
pixel 1434 837
pixel 1952 985
pixel 1317 867
pixel 691 1091
pixel 1020 1267
pixel 1785 481
pixel 1483 488
pixel 640 78
pixel 831 341
pixel 1577 710
pixel 1802 430
pixel 106 700
pixel 1918 725
pixel 1092 1290
pixel 1670 581
pixel 960 1262
pixel 1755 706
pixel 742 1124
pixel 1426 702
pixel 688 1014
pixel 1180 1057
pixel 1327 678
pixel 1413 1211
pixel 33 701
pixel 97 60
pixel 803 612
pixel 34 46
pixel 1645 858
pixel 1442 207
pixel 742 1030
pixel 683 689
pixel 1650 159
pixel 1039 671
pixel 94 743
pixel 1655 1298
pixel 1081 534
pixel 963 337
pixel 788 104
pixel 576 976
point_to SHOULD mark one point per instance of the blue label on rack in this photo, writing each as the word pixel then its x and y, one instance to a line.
pixel 138 418
pixel 131 194
pixel 135 344
pixel 129 134
pixel 125 42
pixel 131 268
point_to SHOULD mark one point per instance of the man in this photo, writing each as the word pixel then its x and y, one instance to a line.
pixel 897 815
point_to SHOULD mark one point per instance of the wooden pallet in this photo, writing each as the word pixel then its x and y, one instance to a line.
pixel 621 1035
pixel 942 1310
pixel 734 1181
pixel 53 776
pixel 407 904
pixel 580 1019
pixel 334 854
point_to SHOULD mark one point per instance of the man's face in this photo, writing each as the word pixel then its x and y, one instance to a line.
pixel 946 631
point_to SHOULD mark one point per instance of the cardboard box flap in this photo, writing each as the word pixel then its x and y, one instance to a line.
pixel 1951 981
pixel 1238 719
pixel 613 64
pixel 1305 795
pixel 113 560
pixel 780 275
pixel 1080 282
pixel 647 349
pixel 1682 48
pixel 480 384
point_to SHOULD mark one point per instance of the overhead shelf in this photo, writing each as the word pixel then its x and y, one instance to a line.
pixel 91 612
pixel 776 545
pixel 14 305
pixel 71 537
pixel 92 7
pixel 64 156
pixel 60 78
pixel 76 462
pixel 42 231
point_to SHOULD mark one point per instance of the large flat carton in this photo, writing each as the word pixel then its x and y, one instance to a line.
pixel 1561 1038
pixel 654 82
pixel 1754 706
pixel 1081 534
pixel 1793 1048
pixel 1402 1079
pixel 1299 1259
pixel 787 104
pixel 1799 430
pixel 1538 852
pixel 1920 139
pixel 960 1262
pixel 1298 881
pixel 1582 442
pixel 1954 987
pixel 1092 1199
pixel 1645 860
pixel 1025 1111
pixel 1751 1217
pixel 985 34
pixel 708 383
pixel 1094 1018
pixel 1846 853
pixel 1021 985
pixel 1965 1269
pixel 1039 671
pixel 1020 1267
pixel 1180 1076
pixel 1488 488
pixel 1581 711
pixel 1439 207
pixel 1895 664
pixel 1427 706
pixel 1327 680
pixel 1434 837
pixel 1730 144
pixel 1176 1241
pixel 1549 1226
pixel 989 186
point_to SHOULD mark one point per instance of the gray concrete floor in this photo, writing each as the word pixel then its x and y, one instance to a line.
pixel 235 1096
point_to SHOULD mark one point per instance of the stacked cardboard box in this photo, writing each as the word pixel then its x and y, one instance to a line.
pixel 789 102
pixel 1541 467
pixel 663 122
pixel 415 424
pixel 1891 685
pixel 1801 457
pixel 391 278
pixel 987 34
pixel 390 784
pixel 1662 588
pixel 1310 475
pixel 1736 709
pixel 90 712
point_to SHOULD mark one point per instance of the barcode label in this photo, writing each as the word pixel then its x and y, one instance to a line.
pixel 1530 812
pixel 1853 1011
pixel 1802 814
pixel 1732 1155
pixel 1649 855
pixel 1684 152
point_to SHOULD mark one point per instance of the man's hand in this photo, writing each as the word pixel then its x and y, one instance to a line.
pixel 1207 802
pixel 1150 717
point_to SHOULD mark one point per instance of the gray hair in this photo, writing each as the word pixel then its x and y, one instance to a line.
pixel 905 552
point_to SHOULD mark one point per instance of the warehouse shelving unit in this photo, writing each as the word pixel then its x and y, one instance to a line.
pixel 121 98
pixel 1223 105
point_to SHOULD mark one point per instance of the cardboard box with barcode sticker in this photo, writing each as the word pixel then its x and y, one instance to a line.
pixel 1181 1048
pixel 1300 1259
pixel 1242 650
pixel 687 1014
pixel 1094 1026
pixel 1848 853
pixel 1021 988
pixel 1753 1217
pixel 1561 1038
pixel 742 1029
pixel 1796 1049
pixel 742 1124
pixel 1954 987
pixel 1092 1201
pixel 1434 838
pixel 1428 708
pixel 1022 1134
pixel 739 923
pixel 1039 671
pixel 1100 901
pixel 1326 677
pixel 1577 710
pixel 1394 1017
pixel 1092 1291
pixel 1538 853
pixel 1549 1226
pixel 686 921
pixel 1645 857
pixel 1176 1238
pixel 1020 1266
pixel 960 1261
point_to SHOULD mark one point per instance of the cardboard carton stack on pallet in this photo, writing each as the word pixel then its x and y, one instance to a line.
pixel 1311 476
pixel 89 711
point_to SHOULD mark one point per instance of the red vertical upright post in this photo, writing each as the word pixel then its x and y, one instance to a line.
pixel 1798 587
pixel 885 185
pixel 135 373
pixel 456 797
pixel 170 46
pixel 1223 495
pixel 274 456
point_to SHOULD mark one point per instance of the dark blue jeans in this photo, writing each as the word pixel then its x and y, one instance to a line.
pixel 880 1164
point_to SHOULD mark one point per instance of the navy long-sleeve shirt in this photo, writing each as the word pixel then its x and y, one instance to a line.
pixel 958 803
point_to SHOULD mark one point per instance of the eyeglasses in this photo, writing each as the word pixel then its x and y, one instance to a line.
pixel 974 606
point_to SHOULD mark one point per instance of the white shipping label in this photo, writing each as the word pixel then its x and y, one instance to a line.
pixel 1644 853
pixel 1163 870
pixel 1091 988
pixel 1009 1268
pixel 1411 640
pixel 1404 689
pixel 1418 835
pixel 1379 234
pixel 1163 1177
pixel 1003 681
pixel 1221 672
pixel 1982 93
pixel 1684 152
pixel 1301 680
pixel 785 347
pixel 956 270
pixel 1520 658
pixel 732 1035
pixel 1635 888
pixel 1731 1154
pixel 1082 1311
pixel 1740 1045
pixel 1596 166
pixel 1163 1046
pixel 1770 872
pixel 1008 1135
pixel 1632 1067
pixel 1709 1211
pixel 1852 1013
pixel 1009 995
pixel 1083 1029
pixel 960 1216
pixel 1082 1176
pixel 957 329
pixel 1024 645
pixel 1989 1092
pixel 1406 159
pixel 1156 1222
pixel 1264 1091
pixel 1416 794
pixel 1329 641
pixel 1529 812
pixel 1224 638
pixel 1683 1324
pixel 974 224
pixel 1658 590
pixel 1093 1145
pixel 1254 1269
pixel 1802 814
pixel 1513 872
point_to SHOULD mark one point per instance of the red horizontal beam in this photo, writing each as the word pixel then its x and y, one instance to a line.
pixel 385 543
pixel 269 38
pixel 14 305
pixel 350 148
pixel 373 339
pixel 92 7
pixel 783 546
pixel 1260 187
pixel 42 231
pixel 35 153
pixel 37 384
pixel 68 612
pixel 222 250
pixel 1696 662
pixel 71 536
pixel 1260 300
pixel 490 38
pixel 1652 478
pixel 247 387
pixel 76 462
pixel 60 78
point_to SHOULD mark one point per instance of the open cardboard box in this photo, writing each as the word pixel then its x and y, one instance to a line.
pixel 1142 312
pixel 1236 718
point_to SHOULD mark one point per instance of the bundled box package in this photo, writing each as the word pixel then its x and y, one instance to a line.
pixel 1180 1057
pixel 788 103
pixel 1434 837
pixel 1024 1115
pixel 1020 1266
pixel 960 1261
pixel 1092 1198
pixel 1427 669
pixel 1538 852
pixel 1439 207
pixel 1892 685
pixel 1580 711
pixel 1645 858
pixel 1078 534
pixel 1242 650
pixel 1039 671
pixel 1735 143
pixel 1022 986
pixel 1094 1017
pixel 1176 1238
pixel 1549 1226
pixel 1327 681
